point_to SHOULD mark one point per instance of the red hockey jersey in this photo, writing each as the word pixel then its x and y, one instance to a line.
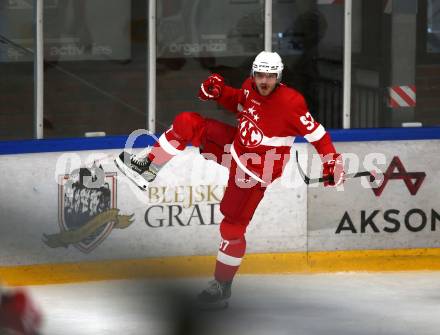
pixel 267 127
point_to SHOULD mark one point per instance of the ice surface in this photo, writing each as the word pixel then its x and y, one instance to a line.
pixel 342 303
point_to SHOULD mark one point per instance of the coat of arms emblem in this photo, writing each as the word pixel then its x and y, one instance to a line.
pixel 87 209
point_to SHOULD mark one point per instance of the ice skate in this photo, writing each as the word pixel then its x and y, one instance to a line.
pixel 215 296
pixel 138 168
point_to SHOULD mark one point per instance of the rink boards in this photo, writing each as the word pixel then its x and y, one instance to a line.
pixel 53 229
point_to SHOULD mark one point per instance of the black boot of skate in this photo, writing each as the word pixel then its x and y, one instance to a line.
pixel 138 168
pixel 215 296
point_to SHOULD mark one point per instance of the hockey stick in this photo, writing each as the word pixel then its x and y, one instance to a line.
pixel 310 181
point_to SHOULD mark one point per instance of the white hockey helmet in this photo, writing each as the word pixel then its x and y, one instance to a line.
pixel 268 62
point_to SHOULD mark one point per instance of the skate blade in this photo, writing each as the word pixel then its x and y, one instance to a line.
pixel 212 307
pixel 140 182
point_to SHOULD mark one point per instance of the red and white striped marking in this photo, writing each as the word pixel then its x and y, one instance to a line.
pixel 402 96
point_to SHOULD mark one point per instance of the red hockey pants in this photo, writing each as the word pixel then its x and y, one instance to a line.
pixel 213 138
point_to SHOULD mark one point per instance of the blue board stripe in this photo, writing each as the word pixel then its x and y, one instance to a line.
pixel 115 142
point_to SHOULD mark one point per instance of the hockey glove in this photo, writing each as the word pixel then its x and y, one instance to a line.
pixel 333 170
pixel 211 88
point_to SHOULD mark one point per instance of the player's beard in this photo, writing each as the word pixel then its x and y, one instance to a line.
pixel 265 89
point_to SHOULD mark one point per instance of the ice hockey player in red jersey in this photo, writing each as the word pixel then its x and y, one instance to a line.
pixel 18 313
pixel 269 116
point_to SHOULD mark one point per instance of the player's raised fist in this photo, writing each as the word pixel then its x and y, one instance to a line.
pixel 333 170
pixel 211 88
